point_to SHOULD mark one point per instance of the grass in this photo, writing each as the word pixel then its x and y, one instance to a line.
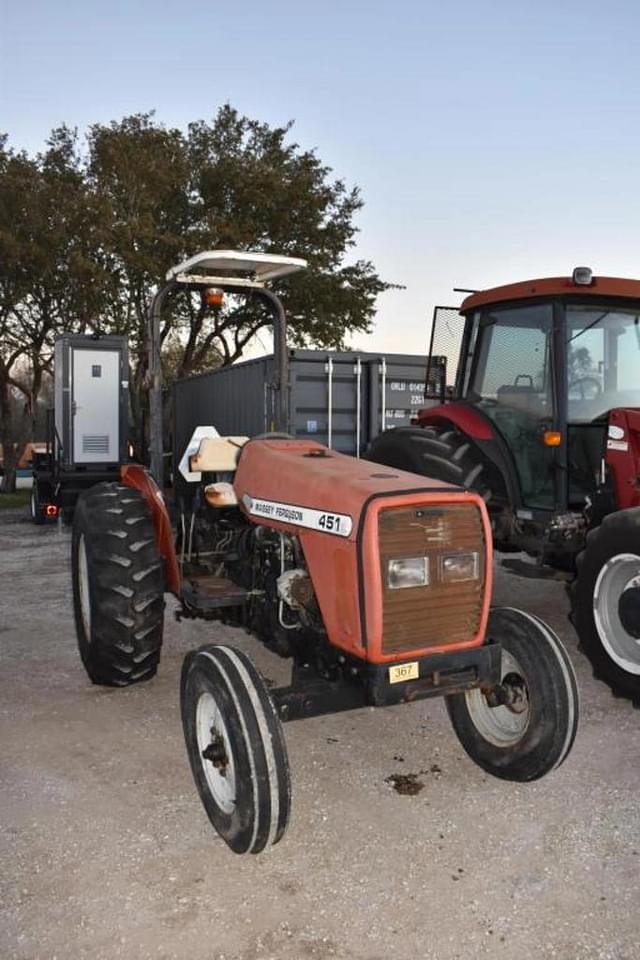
pixel 18 499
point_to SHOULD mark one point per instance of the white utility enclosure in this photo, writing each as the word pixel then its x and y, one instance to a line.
pixel 96 405
pixel 91 400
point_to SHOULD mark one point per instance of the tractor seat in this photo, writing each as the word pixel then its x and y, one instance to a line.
pixel 519 396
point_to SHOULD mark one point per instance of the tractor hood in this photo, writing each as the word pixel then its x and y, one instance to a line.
pixel 301 483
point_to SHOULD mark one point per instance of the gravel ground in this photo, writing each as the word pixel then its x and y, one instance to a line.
pixel 106 851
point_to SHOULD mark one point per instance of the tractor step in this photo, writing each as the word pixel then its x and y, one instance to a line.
pixel 211 593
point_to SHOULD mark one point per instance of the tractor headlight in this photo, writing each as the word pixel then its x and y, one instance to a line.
pixel 407 572
pixel 455 567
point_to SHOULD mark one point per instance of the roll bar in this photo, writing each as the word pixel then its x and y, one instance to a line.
pixel 232 271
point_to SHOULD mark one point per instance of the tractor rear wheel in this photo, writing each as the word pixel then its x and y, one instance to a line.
pixel 605 602
pixel 118 585
pixel 236 747
pixel 526 727
pixel 36 507
pixel 442 453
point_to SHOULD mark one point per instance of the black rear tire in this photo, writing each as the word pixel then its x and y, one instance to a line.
pixel 118 585
pixel 236 748
pixel 613 650
pixel 442 453
pixel 534 734
pixel 36 507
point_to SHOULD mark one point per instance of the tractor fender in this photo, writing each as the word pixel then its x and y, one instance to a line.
pixel 481 431
pixel 135 476
pixel 467 419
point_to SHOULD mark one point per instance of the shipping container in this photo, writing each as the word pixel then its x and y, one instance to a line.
pixel 340 399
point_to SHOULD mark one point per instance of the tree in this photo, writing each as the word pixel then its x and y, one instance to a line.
pixel 50 276
pixel 89 236
pixel 233 183
pixel 255 190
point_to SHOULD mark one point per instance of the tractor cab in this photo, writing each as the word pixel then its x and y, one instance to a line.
pixel 552 368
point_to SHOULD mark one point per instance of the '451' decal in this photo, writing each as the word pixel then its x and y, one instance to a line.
pixel 339 524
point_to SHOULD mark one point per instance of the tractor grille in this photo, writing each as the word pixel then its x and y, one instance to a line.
pixel 439 613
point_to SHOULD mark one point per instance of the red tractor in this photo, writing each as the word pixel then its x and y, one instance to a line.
pixel 375 582
pixel 537 390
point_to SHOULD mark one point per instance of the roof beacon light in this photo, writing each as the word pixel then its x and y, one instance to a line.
pixel 583 276
pixel 213 297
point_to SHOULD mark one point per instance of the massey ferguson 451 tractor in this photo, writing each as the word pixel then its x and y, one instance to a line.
pixel 538 386
pixel 374 581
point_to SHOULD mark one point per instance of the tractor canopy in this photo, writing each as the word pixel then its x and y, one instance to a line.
pixel 544 363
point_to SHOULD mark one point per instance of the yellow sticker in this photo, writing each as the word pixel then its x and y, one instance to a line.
pixel 404 671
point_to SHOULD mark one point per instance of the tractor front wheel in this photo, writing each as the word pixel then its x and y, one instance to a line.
pixel 605 602
pixel 236 747
pixel 525 727
pixel 118 585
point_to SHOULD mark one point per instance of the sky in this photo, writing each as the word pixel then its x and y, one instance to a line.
pixel 492 141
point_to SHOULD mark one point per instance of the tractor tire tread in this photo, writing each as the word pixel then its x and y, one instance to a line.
pixel 614 528
pixel 126 586
pixel 262 803
pixel 439 452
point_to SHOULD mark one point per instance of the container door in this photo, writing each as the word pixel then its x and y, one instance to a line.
pixel 327 400
pixel 96 406
pixel 396 392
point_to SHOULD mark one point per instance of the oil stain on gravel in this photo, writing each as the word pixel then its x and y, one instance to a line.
pixel 406 784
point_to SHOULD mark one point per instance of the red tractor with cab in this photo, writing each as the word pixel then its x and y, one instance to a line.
pixel 534 393
pixel 374 582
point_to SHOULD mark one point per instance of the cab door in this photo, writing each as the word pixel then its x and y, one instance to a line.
pixel 512 383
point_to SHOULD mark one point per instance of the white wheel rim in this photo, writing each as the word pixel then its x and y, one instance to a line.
pixel 210 728
pixel 83 584
pixel 503 726
pixel 618 574
pixel 33 504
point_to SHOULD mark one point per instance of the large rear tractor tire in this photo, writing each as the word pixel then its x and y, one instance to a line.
pixel 526 728
pixel 442 453
pixel 118 586
pixel 236 747
pixel 605 602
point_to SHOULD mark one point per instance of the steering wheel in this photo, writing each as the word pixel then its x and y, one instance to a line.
pixel 589 388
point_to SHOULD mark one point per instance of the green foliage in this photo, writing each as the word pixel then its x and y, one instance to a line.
pixel 86 237
pixel 50 273
pixel 20 498
pixel 233 183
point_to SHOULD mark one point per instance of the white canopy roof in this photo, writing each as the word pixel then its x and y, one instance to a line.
pixel 235 268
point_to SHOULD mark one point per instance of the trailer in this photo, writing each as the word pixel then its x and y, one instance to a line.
pixel 87 429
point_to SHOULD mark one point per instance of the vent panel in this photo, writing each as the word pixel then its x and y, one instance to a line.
pixel 95 443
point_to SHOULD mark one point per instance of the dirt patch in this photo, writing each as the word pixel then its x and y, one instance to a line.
pixel 406 784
